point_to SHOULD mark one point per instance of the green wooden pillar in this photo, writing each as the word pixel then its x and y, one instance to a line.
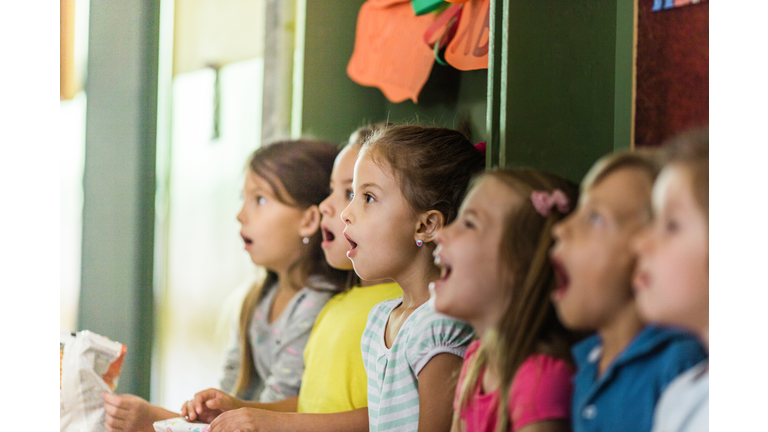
pixel 560 83
pixel 119 182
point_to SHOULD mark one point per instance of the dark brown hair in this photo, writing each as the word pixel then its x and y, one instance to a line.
pixel 530 324
pixel 298 172
pixel 432 165
pixel 691 150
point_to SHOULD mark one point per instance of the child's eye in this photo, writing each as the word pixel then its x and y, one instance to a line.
pixel 369 198
pixel 260 200
pixel 349 195
pixel 469 224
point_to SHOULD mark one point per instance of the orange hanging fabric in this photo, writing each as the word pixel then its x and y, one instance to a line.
pixel 390 52
pixel 469 48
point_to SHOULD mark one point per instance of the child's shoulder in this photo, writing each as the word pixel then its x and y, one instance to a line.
pixel 670 345
pixel 426 316
pixel 429 333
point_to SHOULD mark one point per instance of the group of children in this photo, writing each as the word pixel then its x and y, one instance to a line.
pixel 422 293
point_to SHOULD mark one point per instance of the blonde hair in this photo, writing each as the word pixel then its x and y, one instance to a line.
pixel 529 324
pixel 691 150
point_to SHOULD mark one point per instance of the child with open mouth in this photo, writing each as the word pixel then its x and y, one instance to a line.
pixel 280 227
pixel 409 182
pixel 496 276
pixel 672 277
pixel 334 377
pixel 623 368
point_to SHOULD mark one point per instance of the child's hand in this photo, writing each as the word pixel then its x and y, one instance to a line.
pixel 127 413
pixel 247 420
pixel 208 404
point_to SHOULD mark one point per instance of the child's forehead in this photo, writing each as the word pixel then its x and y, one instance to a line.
pixel 673 187
pixel 624 191
pixel 373 165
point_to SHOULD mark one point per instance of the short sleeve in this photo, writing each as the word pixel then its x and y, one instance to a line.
pixel 432 334
pixel 541 390
pixel 471 350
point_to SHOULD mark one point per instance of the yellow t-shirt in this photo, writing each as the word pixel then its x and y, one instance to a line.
pixel 334 377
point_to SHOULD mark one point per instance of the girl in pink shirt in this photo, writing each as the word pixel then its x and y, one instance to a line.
pixel 496 275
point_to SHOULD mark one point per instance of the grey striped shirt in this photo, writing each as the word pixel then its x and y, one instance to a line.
pixel 393 387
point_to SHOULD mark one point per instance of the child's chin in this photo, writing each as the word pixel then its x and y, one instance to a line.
pixel 339 263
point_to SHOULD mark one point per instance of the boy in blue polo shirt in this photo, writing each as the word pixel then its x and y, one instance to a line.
pixel 624 368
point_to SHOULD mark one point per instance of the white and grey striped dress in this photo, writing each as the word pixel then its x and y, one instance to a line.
pixel 393 386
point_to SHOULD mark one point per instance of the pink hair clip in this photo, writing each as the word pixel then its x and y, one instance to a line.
pixel 544 202
pixel 480 146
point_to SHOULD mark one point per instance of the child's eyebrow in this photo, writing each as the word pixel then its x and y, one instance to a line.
pixel 369 185
pixel 475 212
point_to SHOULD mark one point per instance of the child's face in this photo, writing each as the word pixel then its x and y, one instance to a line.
pixel 592 256
pixel 380 225
pixel 672 277
pixel 335 246
pixel 468 255
pixel 270 229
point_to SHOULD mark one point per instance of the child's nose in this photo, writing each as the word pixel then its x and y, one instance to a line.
pixel 346 216
pixel 641 241
pixel 326 208
pixel 241 215
pixel 559 229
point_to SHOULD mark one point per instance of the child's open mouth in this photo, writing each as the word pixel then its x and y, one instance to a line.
pixel 352 244
pixel 561 278
pixel 328 236
pixel 445 272
pixel 248 242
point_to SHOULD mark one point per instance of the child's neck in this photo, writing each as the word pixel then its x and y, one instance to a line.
pixel 617 334
pixel 284 284
pixel 415 279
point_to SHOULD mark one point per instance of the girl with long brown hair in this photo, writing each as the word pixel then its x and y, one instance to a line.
pixel 285 182
pixel 496 275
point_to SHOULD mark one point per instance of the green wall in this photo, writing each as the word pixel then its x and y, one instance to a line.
pixel 557 94
pixel 332 105
pixel 559 108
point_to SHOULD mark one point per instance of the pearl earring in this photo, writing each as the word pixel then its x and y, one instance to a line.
pixel 419 243
pixel 305 240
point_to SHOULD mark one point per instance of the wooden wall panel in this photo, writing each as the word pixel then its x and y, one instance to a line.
pixel 672 71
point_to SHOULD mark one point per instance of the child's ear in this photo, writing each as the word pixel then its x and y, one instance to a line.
pixel 310 222
pixel 428 225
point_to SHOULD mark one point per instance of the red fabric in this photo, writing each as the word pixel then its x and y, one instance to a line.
pixel 672 71
pixel 541 390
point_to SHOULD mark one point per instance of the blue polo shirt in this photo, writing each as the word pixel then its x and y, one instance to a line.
pixel 624 397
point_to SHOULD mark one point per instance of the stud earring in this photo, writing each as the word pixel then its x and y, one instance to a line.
pixel 305 240
pixel 419 243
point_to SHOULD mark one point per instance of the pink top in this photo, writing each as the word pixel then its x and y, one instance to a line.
pixel 541 390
